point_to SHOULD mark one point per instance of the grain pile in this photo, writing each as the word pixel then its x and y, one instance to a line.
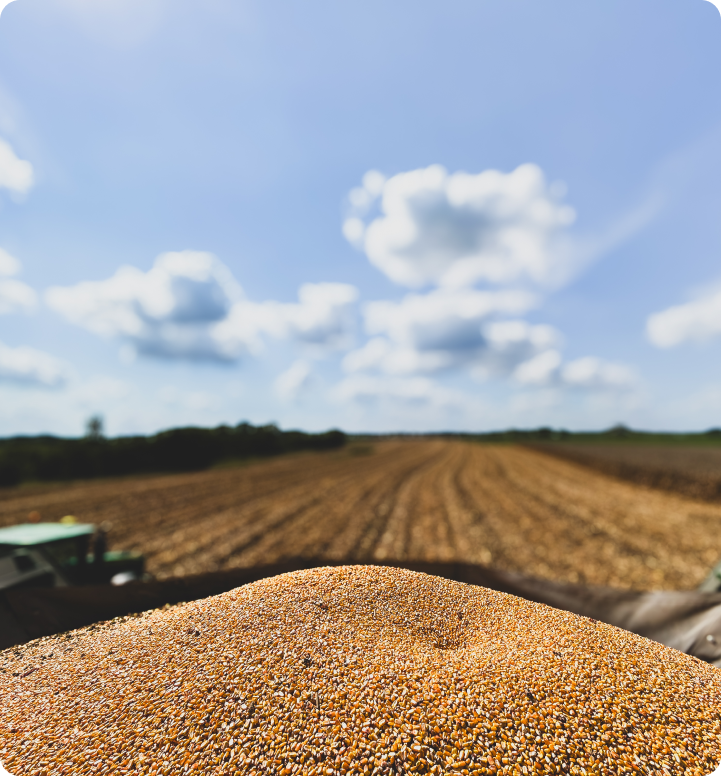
pixel 357 670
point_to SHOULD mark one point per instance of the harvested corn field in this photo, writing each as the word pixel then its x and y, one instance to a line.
pixel 690 471
pixel 357 670
pixel 425 500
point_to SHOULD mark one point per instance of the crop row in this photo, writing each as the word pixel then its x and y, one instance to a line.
pixel 425 500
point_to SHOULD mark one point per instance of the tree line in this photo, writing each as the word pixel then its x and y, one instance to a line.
pixel 47 458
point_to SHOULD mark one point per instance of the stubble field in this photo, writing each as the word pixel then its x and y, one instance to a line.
pixel 693 471
pixel 424 500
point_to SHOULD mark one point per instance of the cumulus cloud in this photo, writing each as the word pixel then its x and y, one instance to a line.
pixel 592 372
pixel 27 365
pixel 589 372
pixel 460 229
pixel 188 305
pixel 451 329
pixel 9 265
pixel 539 370
pixel 447 329
pixel 457 232
pixel 323 316
pixel 23 364
pixel 16 174
pixel 184 287
pixel 15 296
pixel 442 318
pixel 697 320
pixel 168 311
pixel 321 320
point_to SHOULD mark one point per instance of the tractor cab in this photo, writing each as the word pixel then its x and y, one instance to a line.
pixel 58 555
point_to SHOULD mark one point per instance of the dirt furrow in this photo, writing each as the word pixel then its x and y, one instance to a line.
pixel 431 500
pixel 627 524
pixel 414 503
pixel 430 535
pixel 484 491
pixel 115 498
pixel 234 537
pixel 359 539
pixel 464 519
pixel 323 525
pixel 312 529
pixel 558 521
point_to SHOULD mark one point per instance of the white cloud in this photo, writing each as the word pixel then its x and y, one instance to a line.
pixel 27 365
pixel 539 370
pixel 362 197
pixel 442 318
pixel 591 372
pixel 452 329
pixel 323 319
pixel 515 339
pixel 9 265
pixel 15 296
pixel 16 174
pixel 353 230
pixel 190 306
pixel 447 329
pixel 460 229
pixel 697 320
pixel 324 315
pixel 455 231
pixel 167 311
pixel 371 356
pixel 24 364
pixel 185 287
pixel 291 384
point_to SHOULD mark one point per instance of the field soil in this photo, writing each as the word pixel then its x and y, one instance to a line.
pixel 426 500
pixel 690 471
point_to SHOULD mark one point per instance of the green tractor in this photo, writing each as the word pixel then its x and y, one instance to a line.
pixel 58 555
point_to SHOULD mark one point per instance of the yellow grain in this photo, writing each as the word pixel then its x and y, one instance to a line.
pixel 356 670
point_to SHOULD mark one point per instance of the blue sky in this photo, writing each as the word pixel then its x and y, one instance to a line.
pixel 377 216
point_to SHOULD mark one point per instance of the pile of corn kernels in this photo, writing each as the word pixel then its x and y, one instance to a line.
pixel 356 670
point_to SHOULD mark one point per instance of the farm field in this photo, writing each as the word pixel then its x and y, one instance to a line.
pixel 690 471
pixel 420 500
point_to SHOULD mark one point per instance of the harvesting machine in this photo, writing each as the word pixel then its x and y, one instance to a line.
pixel 59 555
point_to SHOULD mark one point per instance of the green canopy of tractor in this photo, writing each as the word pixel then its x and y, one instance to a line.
pixel 30 534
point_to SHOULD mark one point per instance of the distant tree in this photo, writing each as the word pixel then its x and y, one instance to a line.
pixel 180 449
pixel 94 427
pixel 619 430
